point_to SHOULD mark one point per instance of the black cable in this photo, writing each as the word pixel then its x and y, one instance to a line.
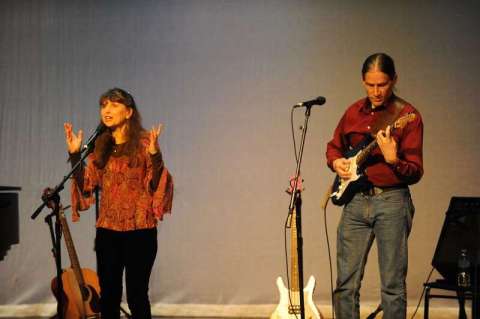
pixel 421 296
pixel 375 312
pixel 324 206
pixel 293 136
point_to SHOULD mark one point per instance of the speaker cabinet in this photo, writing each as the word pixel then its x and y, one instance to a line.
pixel 461 230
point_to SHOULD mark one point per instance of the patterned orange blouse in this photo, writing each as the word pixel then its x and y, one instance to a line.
pixel 127 200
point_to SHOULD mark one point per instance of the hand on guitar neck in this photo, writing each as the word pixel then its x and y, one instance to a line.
pixel 387 145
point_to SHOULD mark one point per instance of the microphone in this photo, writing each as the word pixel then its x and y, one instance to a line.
pixel 91 140
pixel 318 101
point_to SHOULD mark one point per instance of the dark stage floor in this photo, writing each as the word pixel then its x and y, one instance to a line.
pixel 125 317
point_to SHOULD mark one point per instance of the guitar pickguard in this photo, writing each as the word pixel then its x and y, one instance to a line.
pixel 345 189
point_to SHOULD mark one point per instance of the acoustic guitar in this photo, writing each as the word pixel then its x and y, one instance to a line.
pixel 81 290
pixel 344 189
pixel 289 304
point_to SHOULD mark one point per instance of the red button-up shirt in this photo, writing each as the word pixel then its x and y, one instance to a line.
pixel 357 123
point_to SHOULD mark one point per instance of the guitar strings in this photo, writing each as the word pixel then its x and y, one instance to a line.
pixel 289 216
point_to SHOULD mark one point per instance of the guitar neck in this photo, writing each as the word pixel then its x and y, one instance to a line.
pixel 294 284
pixel 363 155
pixel 71 250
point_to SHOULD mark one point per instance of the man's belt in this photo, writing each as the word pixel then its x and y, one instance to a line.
pixel 376 190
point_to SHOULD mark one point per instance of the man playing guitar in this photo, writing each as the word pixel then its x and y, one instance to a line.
pixel 381 207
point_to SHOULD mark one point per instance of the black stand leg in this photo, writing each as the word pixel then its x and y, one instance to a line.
pixel 426 303
pixel 475 288
pixel 461 305
pixel 56 237
pixel 298 223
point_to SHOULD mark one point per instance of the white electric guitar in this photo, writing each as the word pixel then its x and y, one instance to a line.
pixel 289 305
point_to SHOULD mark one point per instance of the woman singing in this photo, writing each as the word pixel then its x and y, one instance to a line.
pixel 127 166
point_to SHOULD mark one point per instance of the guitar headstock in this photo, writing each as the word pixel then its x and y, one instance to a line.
pixel 404 120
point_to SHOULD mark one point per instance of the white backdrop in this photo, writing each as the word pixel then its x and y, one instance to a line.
pixel 222 76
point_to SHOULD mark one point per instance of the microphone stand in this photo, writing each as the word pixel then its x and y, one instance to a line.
pixel 56 237
pixel 56 191
pixel 296 200
pixel 51 198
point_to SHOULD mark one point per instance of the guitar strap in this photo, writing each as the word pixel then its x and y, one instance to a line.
pixel 386 117
pixel 389 115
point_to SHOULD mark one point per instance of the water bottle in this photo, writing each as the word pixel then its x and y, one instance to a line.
pixel 463 275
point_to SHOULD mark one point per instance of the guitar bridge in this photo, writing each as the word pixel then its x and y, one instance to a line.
pixel 294 309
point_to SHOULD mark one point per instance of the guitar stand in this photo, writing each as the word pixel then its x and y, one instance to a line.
pixel 56 237
pixel 296 201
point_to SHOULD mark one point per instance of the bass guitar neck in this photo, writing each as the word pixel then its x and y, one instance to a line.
pixel 289 304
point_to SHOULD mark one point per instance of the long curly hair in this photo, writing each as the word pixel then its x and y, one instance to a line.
pixel 105 143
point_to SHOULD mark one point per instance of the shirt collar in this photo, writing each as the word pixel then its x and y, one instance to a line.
pixel 367 106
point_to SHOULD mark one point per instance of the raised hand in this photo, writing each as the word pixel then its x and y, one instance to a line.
pixel 154 133
pixel 74 141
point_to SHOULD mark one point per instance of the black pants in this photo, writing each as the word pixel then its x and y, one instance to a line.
pixel 134 252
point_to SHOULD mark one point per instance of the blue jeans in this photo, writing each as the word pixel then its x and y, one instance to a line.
pixel 388 218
